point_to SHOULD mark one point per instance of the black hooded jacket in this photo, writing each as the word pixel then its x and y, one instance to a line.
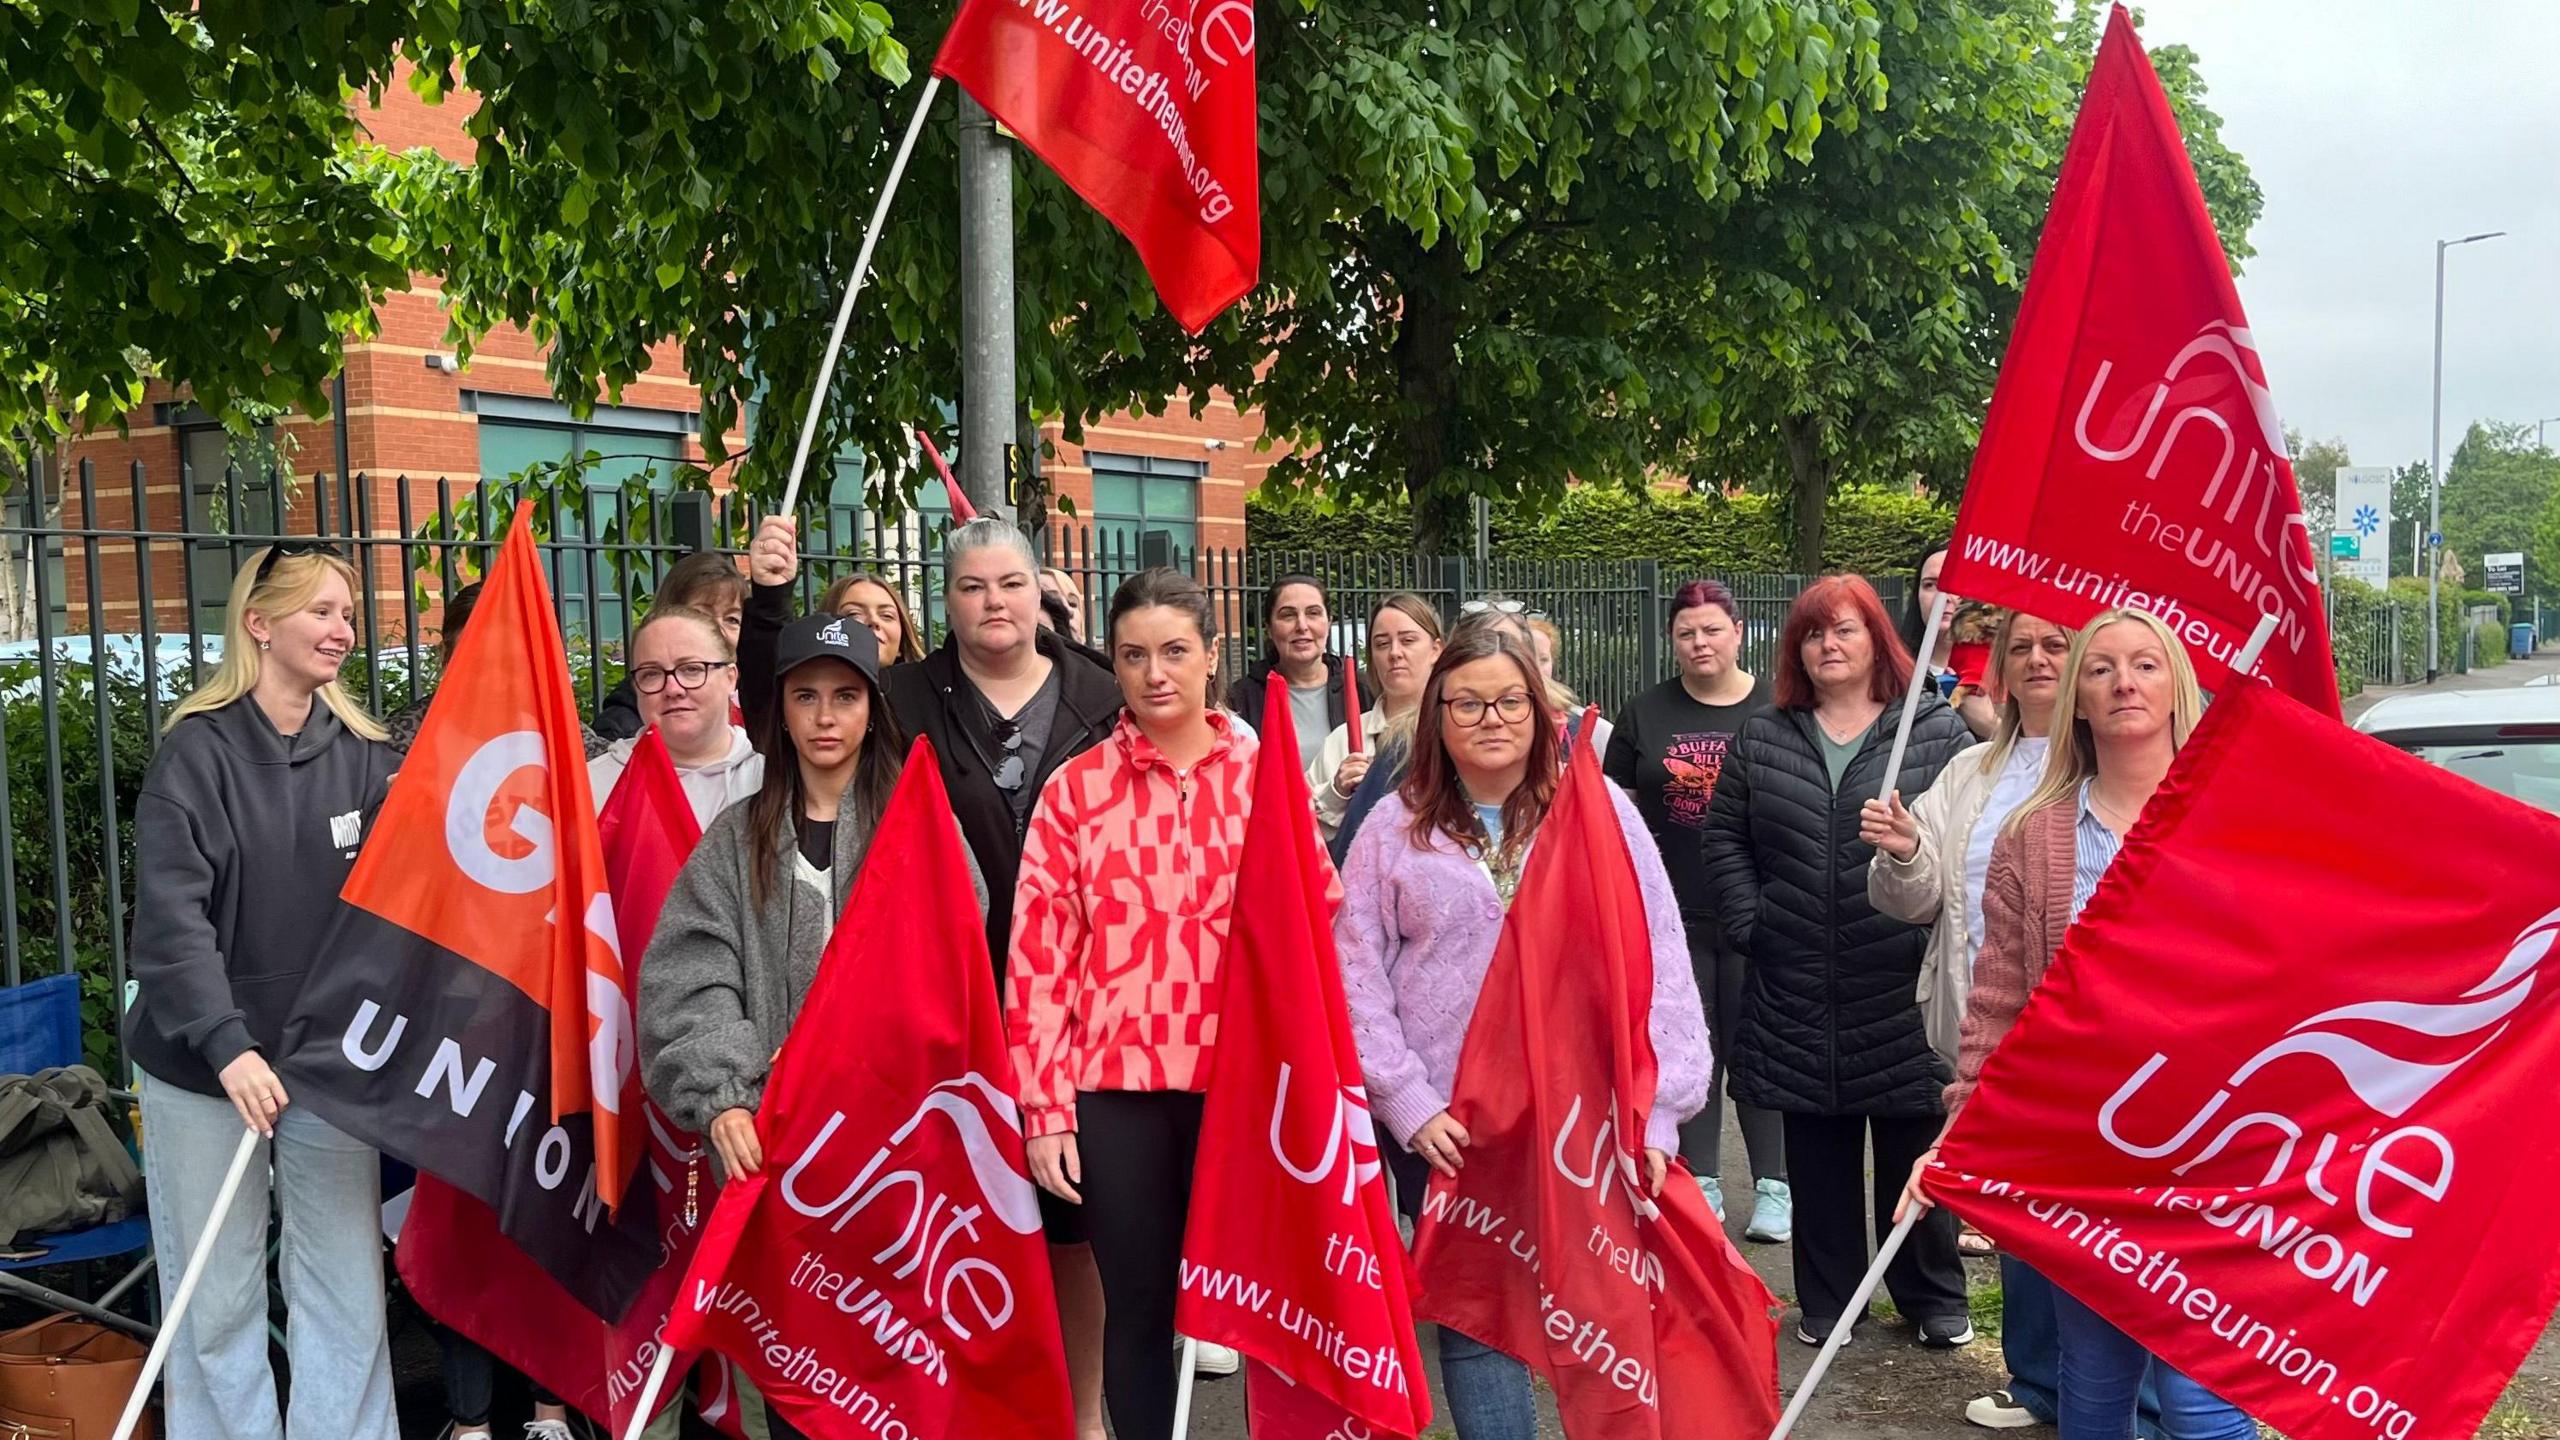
pixel 242 839
pixel 1830 1021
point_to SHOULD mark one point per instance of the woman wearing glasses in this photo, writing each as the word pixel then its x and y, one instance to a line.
pixel 685 674
pixel 245 830
pixel 1426 887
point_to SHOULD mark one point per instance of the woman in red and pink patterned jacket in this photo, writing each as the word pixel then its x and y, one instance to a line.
pixel 1120 922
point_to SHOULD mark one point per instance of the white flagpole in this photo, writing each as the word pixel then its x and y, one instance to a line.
pixel 2247 663
pixel 168 1335
pixel 649 1393
pixel 1182 1391
pixel 1839 1336
pixel 852 289
pixel 1911 701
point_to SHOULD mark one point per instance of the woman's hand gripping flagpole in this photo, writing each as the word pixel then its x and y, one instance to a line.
pixel 1911 699
pixel 852 291
pixel 169 1323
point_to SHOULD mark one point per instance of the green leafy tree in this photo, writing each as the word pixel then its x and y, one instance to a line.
pixel 182 200
pixel 1866 299
pixel 2497 488
pixel 2409 486
pixel 1485 225
pixel 2315 473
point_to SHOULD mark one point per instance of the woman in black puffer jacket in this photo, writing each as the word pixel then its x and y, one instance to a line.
pixel 1830 1034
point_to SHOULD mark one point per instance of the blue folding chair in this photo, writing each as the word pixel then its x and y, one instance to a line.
pixel 40 1029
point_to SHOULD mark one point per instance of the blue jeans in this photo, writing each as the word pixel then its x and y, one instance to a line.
pixel 1489 1396
pixel 2032 1350
pixel 329 1186
pixel 2102 1371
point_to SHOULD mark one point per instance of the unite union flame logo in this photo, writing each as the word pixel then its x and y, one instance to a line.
pixel 2391 1083
pixel 2391 1053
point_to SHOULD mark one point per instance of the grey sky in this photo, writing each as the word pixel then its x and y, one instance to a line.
pixel 2376 127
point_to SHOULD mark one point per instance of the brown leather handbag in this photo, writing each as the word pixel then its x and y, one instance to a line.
pixel 65 1378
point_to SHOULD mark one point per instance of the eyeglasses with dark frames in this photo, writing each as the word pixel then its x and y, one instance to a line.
pixel 690 675
pixel 1468 712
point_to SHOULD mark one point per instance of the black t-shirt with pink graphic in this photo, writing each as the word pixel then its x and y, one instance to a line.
pixel 1667 751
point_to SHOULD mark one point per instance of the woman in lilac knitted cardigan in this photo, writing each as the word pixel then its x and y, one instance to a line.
pixel 1423 904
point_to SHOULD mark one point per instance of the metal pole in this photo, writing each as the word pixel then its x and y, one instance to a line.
pixel 2435 457
pixel 852 291
pixel 1856 1307
pixel 2435 471
pixel 987 413
pixel 151 1363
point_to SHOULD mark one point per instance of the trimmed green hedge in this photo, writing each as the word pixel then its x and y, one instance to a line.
pixel 1868 529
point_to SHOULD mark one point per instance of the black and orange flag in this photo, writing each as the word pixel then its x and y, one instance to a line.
pixel 473 1019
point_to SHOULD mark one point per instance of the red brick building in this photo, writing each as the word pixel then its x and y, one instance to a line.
pixel 410 411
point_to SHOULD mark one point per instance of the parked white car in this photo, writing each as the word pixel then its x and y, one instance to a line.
pixel 2508 740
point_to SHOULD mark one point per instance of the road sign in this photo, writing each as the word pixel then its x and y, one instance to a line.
pixel 2360 541
pixel 2506 572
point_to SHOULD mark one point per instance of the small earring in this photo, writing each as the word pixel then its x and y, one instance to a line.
pixel 266 644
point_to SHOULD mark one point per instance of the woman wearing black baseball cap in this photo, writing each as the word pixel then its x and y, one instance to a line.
pixel 737 945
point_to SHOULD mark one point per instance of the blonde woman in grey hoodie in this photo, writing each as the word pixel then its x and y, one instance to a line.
pixel 248 823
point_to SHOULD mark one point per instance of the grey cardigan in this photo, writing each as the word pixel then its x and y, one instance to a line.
pixel 724 977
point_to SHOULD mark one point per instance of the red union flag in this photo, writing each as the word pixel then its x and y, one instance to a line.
pixel 1545 1246
pixel 458 1262
pixel 1291 1253
pixel 2132 455
pixel 884 1274
pixel 1145 108
pixel 2275 1109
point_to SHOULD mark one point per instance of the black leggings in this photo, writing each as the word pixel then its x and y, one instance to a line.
pixel 471 1380
pixel 1136 1149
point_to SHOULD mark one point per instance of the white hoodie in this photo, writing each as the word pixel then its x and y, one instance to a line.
pixel 712 788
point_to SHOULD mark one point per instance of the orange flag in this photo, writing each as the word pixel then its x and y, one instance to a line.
pixel 474 1020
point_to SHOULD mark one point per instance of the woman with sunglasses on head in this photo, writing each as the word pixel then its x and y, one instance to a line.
pixel 1404 639
pixel 685 675
pixel 1425 890
pixel 246 829
pixel 2126 704
pixel 1121 922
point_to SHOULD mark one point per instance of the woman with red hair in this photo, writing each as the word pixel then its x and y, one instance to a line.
pixel 1830 1034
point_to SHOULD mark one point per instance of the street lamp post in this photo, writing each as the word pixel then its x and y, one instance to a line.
pixel 2435 460
pixel 2539 426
